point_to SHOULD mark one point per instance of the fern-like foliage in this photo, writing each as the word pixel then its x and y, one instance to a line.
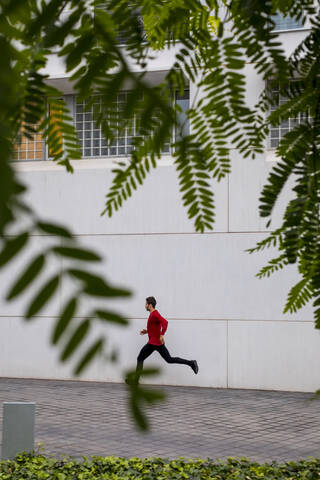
pixel 299 295
pixel 195 182
pixel 211 43
pixel 273 240
pixel 299 156
pixel 273 266
pixel 26 99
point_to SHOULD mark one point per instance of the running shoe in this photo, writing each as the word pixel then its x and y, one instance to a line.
pixel 195 366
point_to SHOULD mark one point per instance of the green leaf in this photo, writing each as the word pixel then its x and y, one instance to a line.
pixel 111 317
pixel 54 229
pixel 96 286
pixel 12 247
pixel 27 277
pixel 138 414
pixel 139 395
pixel 77 253
pixel 64 320
pixel 77 337
pixel 299 295
pixel 43 296
pixel 91 353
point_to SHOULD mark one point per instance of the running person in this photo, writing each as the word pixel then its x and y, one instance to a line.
pixel 156 328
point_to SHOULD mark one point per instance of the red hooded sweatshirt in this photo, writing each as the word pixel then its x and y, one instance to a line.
pixel 156 326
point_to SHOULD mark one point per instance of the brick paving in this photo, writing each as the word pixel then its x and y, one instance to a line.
pixel 88 418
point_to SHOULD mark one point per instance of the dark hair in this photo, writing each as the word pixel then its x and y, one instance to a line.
pixel 151 301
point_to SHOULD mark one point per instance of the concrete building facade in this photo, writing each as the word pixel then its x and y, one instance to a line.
pixel 205 284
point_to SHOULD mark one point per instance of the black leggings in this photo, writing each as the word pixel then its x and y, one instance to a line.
pixel 148 349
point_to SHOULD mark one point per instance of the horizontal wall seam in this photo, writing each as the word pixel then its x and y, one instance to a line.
pixel 152 234
pixel 177 319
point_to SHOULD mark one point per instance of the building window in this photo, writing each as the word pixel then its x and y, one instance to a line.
pixel 29 148
pixel 122 34
pixel 91 138
pixel 285 22
pixel 276 133
pixel 55 115
pixel 122 37
pixel 183 102
pixel 32 147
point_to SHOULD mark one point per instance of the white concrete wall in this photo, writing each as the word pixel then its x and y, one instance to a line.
pixel 218 311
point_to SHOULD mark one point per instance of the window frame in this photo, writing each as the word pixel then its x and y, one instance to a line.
pixel 298 120
pixel 71 102
pixel 295 28
pixel 125 154
pixel 17 149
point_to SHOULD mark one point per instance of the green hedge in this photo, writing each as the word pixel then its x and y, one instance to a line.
pixel 113 468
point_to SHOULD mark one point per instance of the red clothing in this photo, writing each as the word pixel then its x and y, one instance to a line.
pixel 156 326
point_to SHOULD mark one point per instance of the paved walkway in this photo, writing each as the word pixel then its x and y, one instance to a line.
pixel 87 418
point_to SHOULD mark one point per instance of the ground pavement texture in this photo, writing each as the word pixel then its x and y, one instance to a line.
pixel 88 418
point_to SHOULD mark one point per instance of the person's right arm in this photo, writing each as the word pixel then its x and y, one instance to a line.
pixel 144 331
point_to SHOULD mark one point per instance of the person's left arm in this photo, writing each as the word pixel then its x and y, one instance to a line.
pixel 163 323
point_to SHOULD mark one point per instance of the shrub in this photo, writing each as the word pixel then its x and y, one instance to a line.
pixel 113 468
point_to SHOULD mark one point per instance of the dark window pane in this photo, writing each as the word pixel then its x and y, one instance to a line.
pixel 285 22
pixel 183 102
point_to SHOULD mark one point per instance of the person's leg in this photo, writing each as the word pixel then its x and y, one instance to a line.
pixel 164 352
pixel 145 352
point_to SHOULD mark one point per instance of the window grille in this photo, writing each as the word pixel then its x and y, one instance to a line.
pixel 285 22
pixel 54 116
pixel 122 35
pixel 276 133
pixel 29 149
pixel 91 138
